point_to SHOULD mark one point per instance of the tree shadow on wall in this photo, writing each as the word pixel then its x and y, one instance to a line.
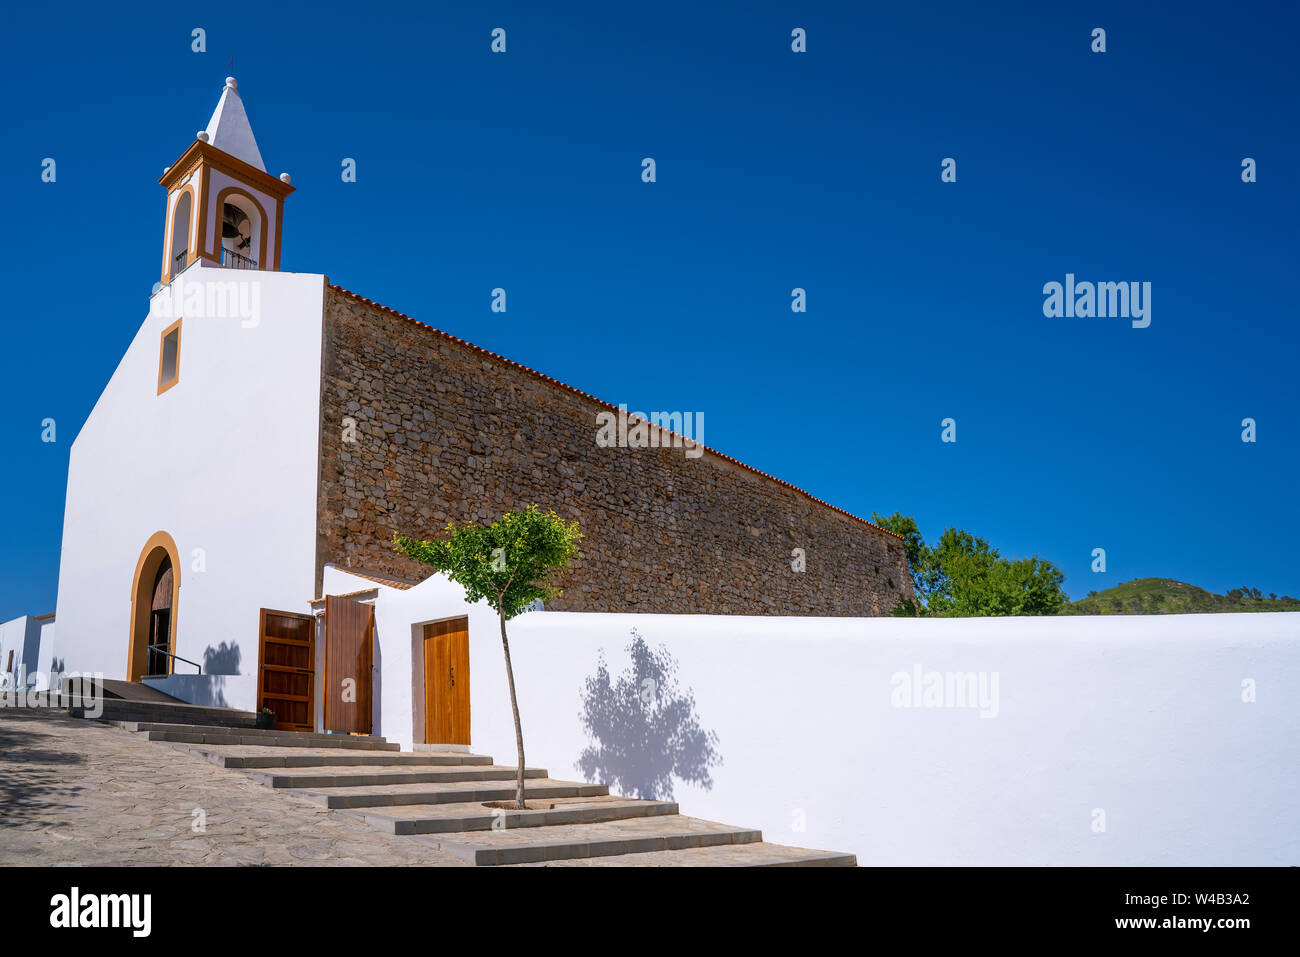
pixel 221 660
pixel 645 731
pixel 217 662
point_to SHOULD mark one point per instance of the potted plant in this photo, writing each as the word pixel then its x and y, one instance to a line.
pixel 266 719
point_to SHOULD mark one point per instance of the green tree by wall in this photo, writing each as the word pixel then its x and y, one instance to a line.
pixel 963 576
pixel 510 564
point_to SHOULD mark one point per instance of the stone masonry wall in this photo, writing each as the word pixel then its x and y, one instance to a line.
pixel 447 432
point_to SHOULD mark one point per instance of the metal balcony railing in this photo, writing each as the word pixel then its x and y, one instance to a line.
pixel 234 260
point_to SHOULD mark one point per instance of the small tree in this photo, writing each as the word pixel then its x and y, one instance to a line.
pixel 511 564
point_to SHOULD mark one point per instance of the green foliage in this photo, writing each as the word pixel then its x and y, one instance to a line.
pixel 907 608
pixel 918 557
pixel 512 563
pixel 963 576
pixel 1165 596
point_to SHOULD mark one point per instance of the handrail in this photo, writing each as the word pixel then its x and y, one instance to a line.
pixel 154 649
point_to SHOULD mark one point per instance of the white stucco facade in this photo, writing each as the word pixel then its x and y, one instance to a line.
pixel 225 462
pixel 1146 740
pixel 26 651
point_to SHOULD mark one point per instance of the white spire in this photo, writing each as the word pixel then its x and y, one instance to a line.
pixel 228 130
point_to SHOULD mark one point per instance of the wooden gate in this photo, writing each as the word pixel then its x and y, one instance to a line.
pixel 446 682
pixel 349 658
pixel 286 668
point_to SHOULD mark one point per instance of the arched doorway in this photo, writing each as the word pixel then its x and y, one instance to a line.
pixel 158 660
pixel 155 595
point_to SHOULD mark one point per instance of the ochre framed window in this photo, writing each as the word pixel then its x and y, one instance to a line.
pixel 169 357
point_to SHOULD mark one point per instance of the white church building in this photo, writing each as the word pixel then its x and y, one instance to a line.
pixel 197 556
pixel 223 543
pixel 189 545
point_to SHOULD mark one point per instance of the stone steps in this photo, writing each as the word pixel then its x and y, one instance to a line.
pixel 441 798
pixel 332 777
pixel 257 757
pixel 128 690
pixel 297 738
pixel 596 839
pixel 444 818
pixel 715 855
pixel 540 789
pixel 284 739
pixel 119 709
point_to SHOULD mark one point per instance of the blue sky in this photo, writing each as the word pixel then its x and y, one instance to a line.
pixel 775 170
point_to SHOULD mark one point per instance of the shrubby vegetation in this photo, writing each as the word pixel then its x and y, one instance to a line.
pixel 1164 596
pixel 963 576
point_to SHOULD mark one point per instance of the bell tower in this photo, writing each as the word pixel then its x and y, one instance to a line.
pixel 223 207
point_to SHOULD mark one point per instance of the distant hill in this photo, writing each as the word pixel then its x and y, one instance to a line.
pixel 1164 596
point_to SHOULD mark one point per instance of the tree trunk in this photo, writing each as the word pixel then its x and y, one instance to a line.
pixel 514 706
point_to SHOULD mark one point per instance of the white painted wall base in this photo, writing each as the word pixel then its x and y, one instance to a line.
pixel 220 691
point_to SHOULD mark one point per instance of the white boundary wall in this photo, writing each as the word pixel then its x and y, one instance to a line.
pixel 31 640
pixel 1141 718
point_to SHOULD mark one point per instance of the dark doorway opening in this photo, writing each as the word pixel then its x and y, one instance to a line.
pixel 160 621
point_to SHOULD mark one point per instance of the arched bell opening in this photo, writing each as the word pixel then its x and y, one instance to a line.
pixel 181 215
pixel 242 225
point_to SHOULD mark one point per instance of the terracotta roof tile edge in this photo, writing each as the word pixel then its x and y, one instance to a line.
pixel 368 592
pixel 586 395
pixel 379 579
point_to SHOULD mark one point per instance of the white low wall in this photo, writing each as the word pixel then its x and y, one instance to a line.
pixel 26 651
pixel 1141 719
pixel 221 691
pixel 1107 740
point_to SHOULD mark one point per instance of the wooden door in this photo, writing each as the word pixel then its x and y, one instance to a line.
pixel 446 682
pixel 349 658
pixel 286 669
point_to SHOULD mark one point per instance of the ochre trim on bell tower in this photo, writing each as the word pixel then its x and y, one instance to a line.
pixel 210 175
pixel 204 159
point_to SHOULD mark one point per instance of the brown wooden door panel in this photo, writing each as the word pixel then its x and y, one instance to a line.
pixel 349 657
pixel 436 700
pixel 286 668
pixel 446 682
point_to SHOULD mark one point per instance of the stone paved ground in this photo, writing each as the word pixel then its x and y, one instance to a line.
pixel 80 792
